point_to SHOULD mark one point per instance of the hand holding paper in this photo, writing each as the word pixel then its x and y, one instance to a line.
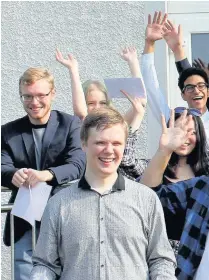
pixel 36 176
pixel 138 103
pixel 135 115
pixel 20 176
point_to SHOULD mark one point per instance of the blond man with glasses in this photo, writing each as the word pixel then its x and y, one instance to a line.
pixel 43 146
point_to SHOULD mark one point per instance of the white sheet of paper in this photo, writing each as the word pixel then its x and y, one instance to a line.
pixel 133 86
pixel 40 196
pixel 30 203
pixel 23 207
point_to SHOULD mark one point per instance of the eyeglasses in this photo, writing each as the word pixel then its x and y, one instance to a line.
pixel 192 111
pixel 190 88
pixel 29 98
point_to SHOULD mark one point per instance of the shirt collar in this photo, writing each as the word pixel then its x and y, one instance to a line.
pixel 205 116
pixel 118 186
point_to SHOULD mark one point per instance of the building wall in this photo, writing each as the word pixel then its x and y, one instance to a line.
pixel 93 31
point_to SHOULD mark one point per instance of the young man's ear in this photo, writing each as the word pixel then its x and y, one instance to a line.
pixel 183 96
pixel 53 92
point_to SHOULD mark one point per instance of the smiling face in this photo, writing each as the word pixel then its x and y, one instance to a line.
pixel 38 110
pixel 190 143
pixel 95 98
pixel 104 150
pixel 198 98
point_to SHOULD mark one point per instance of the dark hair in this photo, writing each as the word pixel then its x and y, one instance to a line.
pixel 198 159
pixel 190 72
pixel 100 119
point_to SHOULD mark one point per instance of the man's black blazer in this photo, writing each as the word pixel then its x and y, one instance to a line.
pixel 61 152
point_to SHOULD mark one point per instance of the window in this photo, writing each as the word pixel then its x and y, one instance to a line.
pixel 200 46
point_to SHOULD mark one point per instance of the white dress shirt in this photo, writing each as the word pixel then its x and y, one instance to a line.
pixel 205 120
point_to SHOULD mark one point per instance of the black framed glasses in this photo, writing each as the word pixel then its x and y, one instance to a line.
pixel 29 98
pixel 192 111
pixel 190 88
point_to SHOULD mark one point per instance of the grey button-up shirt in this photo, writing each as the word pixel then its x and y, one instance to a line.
pixel 118 235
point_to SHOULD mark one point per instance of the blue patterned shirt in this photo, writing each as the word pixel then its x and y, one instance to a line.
pixel 191 196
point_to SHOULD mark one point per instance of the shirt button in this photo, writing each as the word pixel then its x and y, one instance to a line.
pixel 101 219
pixel 102 242
pixel 102 265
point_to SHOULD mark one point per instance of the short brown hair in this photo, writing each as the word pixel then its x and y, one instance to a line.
pixel 100 119
pixel 33 75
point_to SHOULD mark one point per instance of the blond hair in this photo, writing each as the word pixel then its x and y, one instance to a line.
pixel 87 87
pixel 100 119
pixel 32 75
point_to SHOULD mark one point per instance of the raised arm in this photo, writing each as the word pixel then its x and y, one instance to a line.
pixel 130 166
pixel 130 56
pixel 156 99
pixel 172 138
pixel 78 97
pixel 137 111
pixel 173 36
pixel 133 116
pixel 154 31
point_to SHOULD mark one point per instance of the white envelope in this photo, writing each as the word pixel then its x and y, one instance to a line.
pixel 133 86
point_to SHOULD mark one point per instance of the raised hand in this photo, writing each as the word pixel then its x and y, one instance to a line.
pixel 70 62
pixel 129 54
pixel 176 134
pixel 154 30
pixel 198 63
pixel 138 103
pixel 78 97
pixel 173 35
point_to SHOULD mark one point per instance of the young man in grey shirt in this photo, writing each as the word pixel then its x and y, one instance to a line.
pixel 105 226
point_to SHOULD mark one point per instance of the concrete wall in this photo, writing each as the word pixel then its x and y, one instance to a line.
pixel 93 31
